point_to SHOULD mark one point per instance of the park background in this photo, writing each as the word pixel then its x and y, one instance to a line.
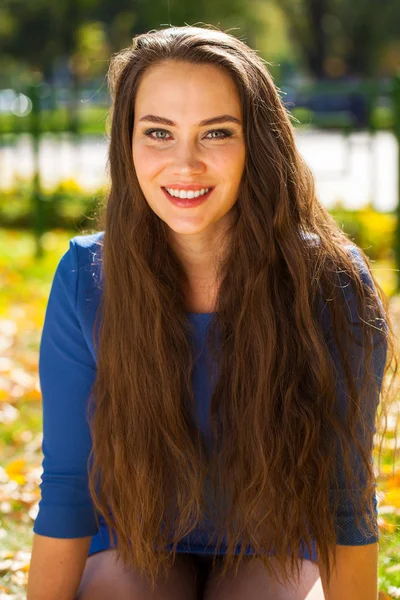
pixel 337 65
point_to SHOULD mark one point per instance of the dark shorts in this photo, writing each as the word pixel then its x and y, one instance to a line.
pixel 204 564
pixel 203 567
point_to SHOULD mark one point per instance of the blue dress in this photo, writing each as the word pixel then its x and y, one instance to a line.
pixel 67 369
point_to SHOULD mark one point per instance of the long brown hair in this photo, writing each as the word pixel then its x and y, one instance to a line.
pixel 290 431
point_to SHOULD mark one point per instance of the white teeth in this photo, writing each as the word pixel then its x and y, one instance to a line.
pixel 187 194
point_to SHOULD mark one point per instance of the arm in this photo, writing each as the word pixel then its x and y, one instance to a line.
pixel 356 574
pixel 56 567
pixel 348 534
pixel 66 518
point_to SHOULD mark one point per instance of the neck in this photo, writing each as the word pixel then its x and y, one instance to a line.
pixel 200 253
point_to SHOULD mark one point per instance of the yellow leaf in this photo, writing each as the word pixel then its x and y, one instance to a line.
pixel 394 481
pixel 392 497
pixel 33 395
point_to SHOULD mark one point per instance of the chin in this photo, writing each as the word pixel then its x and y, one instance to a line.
pixel 186 230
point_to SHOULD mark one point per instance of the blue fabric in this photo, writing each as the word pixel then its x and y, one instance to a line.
pixel 67 368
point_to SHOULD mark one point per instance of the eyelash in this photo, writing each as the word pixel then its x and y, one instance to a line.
pixel 148 133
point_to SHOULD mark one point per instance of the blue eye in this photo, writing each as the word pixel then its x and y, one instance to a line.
pixel 225 134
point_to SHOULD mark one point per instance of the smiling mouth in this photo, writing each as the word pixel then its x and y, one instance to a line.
pixel 188 202
pixel 191 197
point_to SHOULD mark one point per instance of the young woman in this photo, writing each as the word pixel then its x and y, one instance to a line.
pixel 212 356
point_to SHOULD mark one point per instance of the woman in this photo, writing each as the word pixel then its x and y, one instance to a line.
pixel 212 256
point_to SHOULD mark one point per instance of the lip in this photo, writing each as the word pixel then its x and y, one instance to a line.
pixel 187 202
pixel 187 186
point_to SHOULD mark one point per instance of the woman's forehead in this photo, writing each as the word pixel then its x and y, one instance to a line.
pixel 188 89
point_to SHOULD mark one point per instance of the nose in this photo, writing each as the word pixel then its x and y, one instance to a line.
pixel 187 158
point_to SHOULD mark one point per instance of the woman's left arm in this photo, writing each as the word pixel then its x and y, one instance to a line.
pixel 356 574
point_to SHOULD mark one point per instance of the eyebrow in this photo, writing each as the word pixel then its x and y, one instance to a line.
pixel 212 121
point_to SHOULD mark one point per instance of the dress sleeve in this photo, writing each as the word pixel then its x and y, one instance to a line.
pixel 66 373
pixel 348 534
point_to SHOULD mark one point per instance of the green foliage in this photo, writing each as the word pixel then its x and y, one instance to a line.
pixel 373 231
pixel 66 206
pixel 92 120
pixel 69 206
pixel 381 118
pixel 338 38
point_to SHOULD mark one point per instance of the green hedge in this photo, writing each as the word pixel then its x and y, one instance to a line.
pixel 93 120
pixel 371 230
pixel 68 206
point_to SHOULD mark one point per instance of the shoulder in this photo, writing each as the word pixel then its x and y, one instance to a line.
pixel 357 257
pixel 87 248
pixel 344 291
pixel 354 253
pixel 348 285
pixel 352 250
pixel 83 258
pixel 88 240
pixel 78 275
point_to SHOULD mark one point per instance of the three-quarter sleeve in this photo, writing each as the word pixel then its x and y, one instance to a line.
pixel 66 372
pixel 348 533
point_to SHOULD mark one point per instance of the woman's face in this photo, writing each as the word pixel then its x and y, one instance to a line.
pixel 184 153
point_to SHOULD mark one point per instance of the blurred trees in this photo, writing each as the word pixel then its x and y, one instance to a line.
pixel 37 33
pixel 335 37
pixel 340 38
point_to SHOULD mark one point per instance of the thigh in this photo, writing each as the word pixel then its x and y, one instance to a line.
pixel 253 582
pixel 105 578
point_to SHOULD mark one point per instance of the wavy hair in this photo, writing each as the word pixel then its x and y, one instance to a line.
pixel 291 423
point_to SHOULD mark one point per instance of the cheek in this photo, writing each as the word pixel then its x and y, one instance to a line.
pixel 146 162
pixel 230 162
